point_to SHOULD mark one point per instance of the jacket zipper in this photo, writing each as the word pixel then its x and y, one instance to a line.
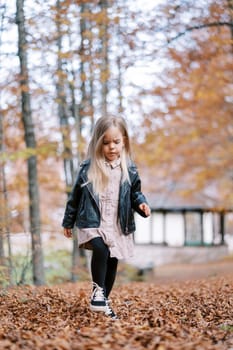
pixel 127 220
pixel 126 228
pixel 92 195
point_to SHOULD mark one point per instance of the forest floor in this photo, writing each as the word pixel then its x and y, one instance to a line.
pixel 177 307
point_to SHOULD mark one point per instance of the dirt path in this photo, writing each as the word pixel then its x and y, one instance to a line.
pixel 180 272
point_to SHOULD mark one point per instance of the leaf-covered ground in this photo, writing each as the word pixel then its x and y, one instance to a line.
pixel 184 315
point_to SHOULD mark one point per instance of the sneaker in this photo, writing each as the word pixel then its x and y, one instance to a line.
pixel 109 311
pixel 98 300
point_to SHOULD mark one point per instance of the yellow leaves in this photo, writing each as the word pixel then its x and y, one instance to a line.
pixel 88 34
pixel 101 18
pixel 24 88
pixel 21 154
pixel 64 55
pixel 61 74
pixel 104 76
pixel 83 77
pixel 98 18
pixel 44 151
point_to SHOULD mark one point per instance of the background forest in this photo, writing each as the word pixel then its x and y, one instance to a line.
pixel 166 67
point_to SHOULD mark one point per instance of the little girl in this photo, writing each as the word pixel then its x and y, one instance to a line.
pixel 102 204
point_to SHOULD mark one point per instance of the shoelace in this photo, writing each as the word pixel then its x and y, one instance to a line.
pixel 98 293
pixel 109 311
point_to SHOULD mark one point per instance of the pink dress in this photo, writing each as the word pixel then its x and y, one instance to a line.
pixel 120 245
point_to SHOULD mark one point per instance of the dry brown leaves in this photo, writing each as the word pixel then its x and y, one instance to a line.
pixel 189 315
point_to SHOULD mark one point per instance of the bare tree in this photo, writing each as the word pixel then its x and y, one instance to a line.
pixel 29 136
pixel 2 169
pixel 4 217
pixel 104 56
pixel 2 198
pixel 230 6
pixel 63 114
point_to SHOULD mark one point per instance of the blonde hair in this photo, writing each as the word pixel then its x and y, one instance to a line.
pixel 97 173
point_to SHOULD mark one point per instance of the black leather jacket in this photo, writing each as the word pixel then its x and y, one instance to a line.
pixel 82 207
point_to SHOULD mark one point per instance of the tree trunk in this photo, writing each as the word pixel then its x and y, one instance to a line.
pixel 119 85
pixel 4 216
pixel 230 6
pixel 5 259
pixel 64 124
pixel 2 201
pixel 37 252
pixel 2 211
pixel 86 107
pixel 83 63
pixel 62 107
pixel 104 57
pixel 121 52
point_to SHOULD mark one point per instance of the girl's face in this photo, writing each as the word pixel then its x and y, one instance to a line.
pixel 113 143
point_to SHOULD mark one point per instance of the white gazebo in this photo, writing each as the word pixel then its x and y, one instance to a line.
pixel 182 226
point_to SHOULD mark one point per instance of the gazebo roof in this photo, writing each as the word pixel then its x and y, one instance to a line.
pixel 173 202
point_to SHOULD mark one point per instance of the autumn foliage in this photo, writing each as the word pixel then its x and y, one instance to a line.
pixel 187 143
pixel 194 314
pixel 167 69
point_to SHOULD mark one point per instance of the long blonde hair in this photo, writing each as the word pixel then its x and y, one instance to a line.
pixel 97 173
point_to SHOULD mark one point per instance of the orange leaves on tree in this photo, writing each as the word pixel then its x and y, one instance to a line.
pixel 190 140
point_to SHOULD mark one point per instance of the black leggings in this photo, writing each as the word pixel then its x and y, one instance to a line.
pixel 103 267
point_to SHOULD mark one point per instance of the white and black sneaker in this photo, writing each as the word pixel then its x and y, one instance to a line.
pixel 109 311
pixel 98 300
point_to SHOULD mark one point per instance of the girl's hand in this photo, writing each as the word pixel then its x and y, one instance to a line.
pixel 67 232
pixel 145 208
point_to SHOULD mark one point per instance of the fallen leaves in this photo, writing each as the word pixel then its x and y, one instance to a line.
pixel 186 316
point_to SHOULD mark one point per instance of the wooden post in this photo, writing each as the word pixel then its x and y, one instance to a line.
pixel 201 227
pixel 222 226
pixel 164 228
pixel 185 226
